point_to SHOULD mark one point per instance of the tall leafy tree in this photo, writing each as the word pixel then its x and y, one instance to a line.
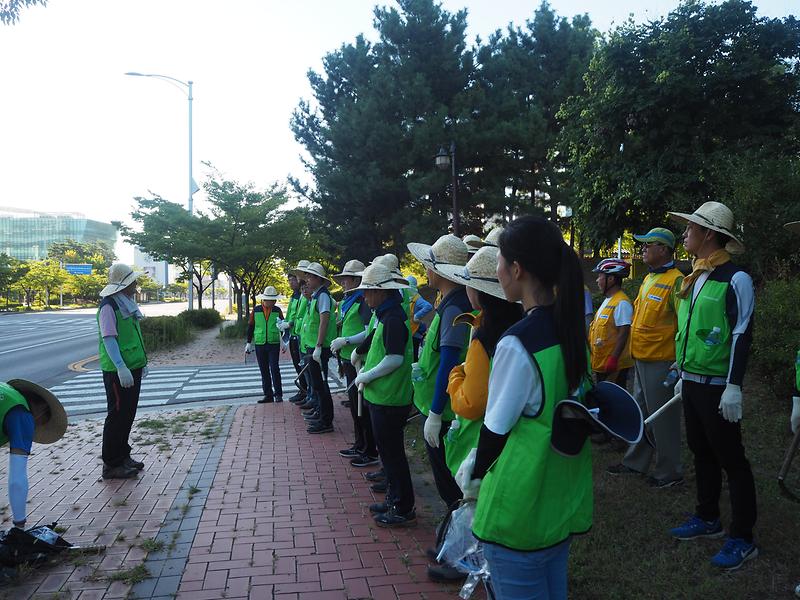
pixel 99 254
pixel 10 9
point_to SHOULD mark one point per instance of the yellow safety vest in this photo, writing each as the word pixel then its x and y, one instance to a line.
pixel 603 336
pixel 655 319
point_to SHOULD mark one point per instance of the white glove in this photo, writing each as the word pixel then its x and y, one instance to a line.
pixel 464 473
pixel 355 359
pixel 317 355
pixel 471 489
pixel 145 372
pixel 363 378
pixel 433 425
pixel 283 325
pixel 248 348
pixel 125 377
pixel 795 418
pixel 731 404
pixel 679 388
pixel 338 343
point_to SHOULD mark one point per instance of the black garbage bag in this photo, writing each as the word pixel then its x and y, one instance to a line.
pixel 32 547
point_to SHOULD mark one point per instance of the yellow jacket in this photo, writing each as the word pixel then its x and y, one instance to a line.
pixel 468 385
pixel 655 317
pixel 603 335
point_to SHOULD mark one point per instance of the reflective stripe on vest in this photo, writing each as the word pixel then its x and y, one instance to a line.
pixel 532 497
pixel 9 398
pixel 654 319
pixel 603 336
pixel 393 389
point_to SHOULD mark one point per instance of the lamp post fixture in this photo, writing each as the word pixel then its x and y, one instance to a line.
pixel 445 159
pixel 185 87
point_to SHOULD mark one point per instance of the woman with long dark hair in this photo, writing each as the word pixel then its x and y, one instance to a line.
pixel 531 499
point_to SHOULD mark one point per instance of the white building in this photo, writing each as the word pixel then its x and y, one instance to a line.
pixel 159 270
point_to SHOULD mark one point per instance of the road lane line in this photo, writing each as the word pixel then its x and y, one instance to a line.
pixel 74 337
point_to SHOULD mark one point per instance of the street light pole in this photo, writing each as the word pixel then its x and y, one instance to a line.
pixel 188 90
pixel 446 159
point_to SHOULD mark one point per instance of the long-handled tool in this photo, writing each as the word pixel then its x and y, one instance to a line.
pixel 660 411
pixel 787 462
pixel 300 374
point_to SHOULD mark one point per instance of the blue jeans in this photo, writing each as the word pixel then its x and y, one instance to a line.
pixel 539 575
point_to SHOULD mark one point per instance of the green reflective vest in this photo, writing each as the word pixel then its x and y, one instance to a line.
pixel 291 309
pixel 532 497
pixel 393 389
pixel 350 325
pixel 698 347
pixel 308 335
pixel 266 330
pixel 299 315
pixel 9 398
pixel 129 338
pixel 460 439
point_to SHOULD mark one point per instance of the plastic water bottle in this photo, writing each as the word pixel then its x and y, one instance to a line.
pixel 671 379
pixel 452 433
pixel 713 337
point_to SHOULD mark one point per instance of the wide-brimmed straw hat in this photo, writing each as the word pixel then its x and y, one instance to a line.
pixel 447 250
pixel 377 276
pixel 269 293
pixel 120 276
pixel 392 263
pixel 493 237
pixel 352 268
pixel 298 270
pixel 56 425
pixel 794 226
pixel 314 268
pixel 717 217
pixel 480 272
pixel 473 242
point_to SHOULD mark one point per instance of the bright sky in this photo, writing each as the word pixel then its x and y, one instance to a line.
pixel 77 135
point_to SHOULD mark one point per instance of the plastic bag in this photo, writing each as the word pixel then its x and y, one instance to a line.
pixel 462 550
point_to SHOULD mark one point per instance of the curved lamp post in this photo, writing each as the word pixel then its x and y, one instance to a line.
pixel 185 87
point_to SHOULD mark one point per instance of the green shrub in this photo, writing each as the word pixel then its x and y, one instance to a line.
pixel 204 318
pixel 233 331
pixel 776 335
pixel 165 332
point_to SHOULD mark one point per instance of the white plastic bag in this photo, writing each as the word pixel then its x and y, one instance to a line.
pixel 462 550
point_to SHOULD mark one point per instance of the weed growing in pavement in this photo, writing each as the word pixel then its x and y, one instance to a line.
pixel 130 576
pixel 193 490
pixel 152 545
pixel 120 502
pixel 59 529
pixel 153 424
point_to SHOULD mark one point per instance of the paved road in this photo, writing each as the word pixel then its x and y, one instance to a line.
pixel 40 346
pixel 85 394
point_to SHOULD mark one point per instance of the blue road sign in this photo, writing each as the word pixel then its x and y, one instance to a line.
pixel 78 269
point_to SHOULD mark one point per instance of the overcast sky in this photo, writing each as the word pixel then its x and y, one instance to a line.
pixel 77 135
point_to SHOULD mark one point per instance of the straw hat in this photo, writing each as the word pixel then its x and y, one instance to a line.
pixel 717 217
pixel 480 272
pixel 52 430
pixel 390 261
pixel 447 250
pixel 120 276
pixel 314 268
pixel 493 237
pixel 270 293
pixel 794 226
pixel 377 276
pixel 352 268
pixel 298 270
pixel 473 242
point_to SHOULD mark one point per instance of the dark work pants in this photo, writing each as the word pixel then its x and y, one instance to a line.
pixel 388 423
pixel 319 377
pixel 717 445
pixel 416 343
pixel 267 356
pixel 294 351
pixel 619 377
pixel 362 426
pixel 446 484
pixel 122 404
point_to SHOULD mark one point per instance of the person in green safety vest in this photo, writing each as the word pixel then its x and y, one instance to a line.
pixel 319 329
pixel 291 326
pixel 532 499
pixel 123 361
pixel 28 413
pixel 468 386
pixel 715 330
pixel 445 346
pixel 352 317
pixel 385 382
pixel 262 330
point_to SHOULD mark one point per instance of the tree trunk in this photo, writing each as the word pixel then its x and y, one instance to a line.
pixel 200 290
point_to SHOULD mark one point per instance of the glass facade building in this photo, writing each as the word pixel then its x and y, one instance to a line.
pixel 27 234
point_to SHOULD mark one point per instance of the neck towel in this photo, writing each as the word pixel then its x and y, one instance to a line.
pixel 700 266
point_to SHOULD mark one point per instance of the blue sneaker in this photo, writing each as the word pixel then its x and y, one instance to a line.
pixel 734 553
pixel 695 527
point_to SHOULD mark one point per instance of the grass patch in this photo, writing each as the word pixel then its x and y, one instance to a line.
pixel 130 576
pixel 152 545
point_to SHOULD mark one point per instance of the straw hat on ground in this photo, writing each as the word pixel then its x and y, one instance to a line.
pixel 377 276
pixel 270 293
pixel 314 268
pixel 473 242
pixel 353 268
pixel 120 276
pixel 717 217
pixel 794 226
pixel 56 424
pixel 447 250
pixel 480 272
pixel 298 270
